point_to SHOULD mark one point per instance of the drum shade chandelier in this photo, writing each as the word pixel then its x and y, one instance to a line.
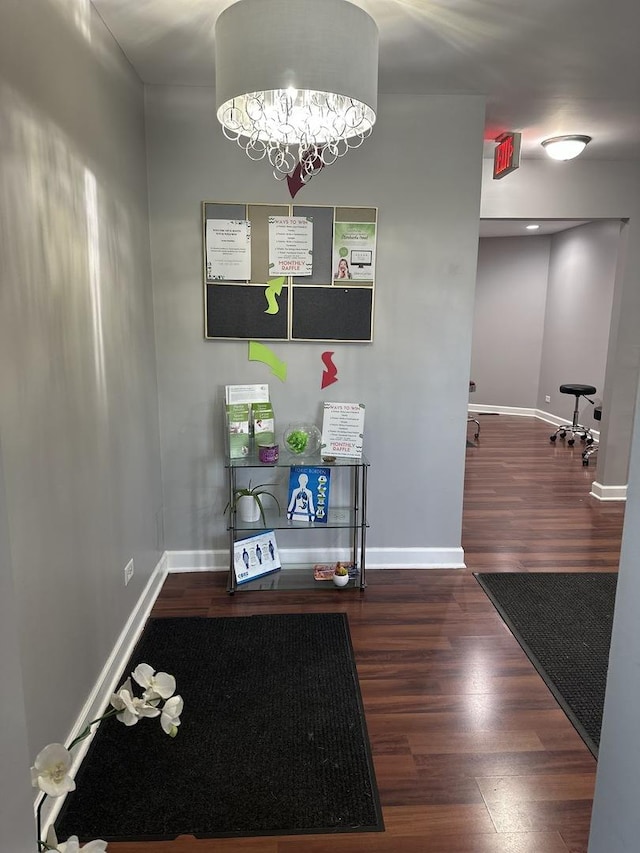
pixel 565 147
pixel 296 80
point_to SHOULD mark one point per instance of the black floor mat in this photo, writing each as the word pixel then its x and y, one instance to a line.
pixel 272 740
pixel 563 622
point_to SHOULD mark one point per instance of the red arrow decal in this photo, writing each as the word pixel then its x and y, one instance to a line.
pixel 330 374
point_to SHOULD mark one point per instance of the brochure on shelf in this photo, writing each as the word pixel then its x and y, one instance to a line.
pixel 308 497
pixel 263 420
pixel 255 556
pixel 246 394
pixel 238 430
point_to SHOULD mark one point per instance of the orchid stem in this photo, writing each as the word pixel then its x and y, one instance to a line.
pixel 87 731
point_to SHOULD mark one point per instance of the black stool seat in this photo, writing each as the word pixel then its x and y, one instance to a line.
pixel 578 390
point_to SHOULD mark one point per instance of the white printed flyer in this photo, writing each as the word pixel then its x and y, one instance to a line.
pixel 228 249
pixel 342 430
pixel 290 245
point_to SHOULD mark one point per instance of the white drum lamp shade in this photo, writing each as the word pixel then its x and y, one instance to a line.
pixel 296 79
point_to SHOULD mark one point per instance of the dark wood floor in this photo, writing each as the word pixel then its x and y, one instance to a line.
pixel 472 753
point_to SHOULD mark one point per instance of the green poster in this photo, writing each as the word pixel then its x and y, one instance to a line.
pixel 354 251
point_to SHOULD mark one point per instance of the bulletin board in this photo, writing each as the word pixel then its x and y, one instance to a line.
pixel 313 307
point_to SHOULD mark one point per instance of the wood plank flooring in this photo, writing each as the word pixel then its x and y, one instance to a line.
pixel 472 753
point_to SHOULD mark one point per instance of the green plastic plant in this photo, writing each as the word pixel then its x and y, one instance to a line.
pixel 256 493
pixel 297 441
pixel 341 570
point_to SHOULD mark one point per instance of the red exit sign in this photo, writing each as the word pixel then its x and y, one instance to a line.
pixel 506 157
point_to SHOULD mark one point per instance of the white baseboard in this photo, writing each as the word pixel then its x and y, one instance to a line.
pixel 415 558
pixel 478 408
pixel 518 411
pixel 197 561
pixel 106 683
pixel 377 558
pixel 608 493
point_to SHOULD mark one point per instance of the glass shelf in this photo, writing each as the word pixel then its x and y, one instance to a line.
pixel 338 517
pixel 296 576
pixel 286 460
pixel 350 518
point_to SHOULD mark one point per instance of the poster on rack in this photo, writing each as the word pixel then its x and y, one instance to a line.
pixel 290 245
pixel 255 556
pixel 342 429
pixel 228 249
pixel 308 498
pixel 354 251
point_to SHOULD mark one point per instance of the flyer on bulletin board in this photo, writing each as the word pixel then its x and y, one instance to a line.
pixel 228 249
pixel 342 430
pixel 290 245
pixel 354 251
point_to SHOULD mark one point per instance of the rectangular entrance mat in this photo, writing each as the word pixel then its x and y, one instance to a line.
pixel 272 741
pixel 563 622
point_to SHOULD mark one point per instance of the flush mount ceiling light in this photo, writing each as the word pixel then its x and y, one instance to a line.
pixel 532 227
pixel 296 80
pixel 565 147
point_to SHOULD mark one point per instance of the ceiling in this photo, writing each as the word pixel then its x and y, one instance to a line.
pixel 518 227
pixel 546 67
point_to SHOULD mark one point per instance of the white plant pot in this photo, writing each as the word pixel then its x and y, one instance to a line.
pixel 248 508
pixel 341 580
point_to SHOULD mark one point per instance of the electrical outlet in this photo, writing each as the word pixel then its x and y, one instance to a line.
pixel 128 572
pixel 547 399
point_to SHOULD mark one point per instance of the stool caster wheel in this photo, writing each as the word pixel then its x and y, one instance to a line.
pixel 562 434
pixel 589 440
pixel 553 437
pixel 571 442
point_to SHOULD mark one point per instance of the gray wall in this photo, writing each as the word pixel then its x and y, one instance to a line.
pixel 16 813
pixel 582 273
pixel 508 324
pixel 615 824
pixel 543 312
pixel 413 378
pixel 583 189
pixel 78 408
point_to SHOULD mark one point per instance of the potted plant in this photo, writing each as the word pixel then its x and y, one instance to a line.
pixel 247 502
pixel 341 575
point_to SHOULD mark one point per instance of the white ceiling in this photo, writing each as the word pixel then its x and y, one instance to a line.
pixel 547 67
pixel 518 227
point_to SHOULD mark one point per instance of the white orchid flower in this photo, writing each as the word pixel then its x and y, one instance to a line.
pixel 157 685
pixel 131 707
pixel 170 719
pixel 72 845
pixel 50 772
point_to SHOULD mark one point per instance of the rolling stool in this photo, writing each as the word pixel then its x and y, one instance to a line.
pixel 590 451
pixel 574 427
